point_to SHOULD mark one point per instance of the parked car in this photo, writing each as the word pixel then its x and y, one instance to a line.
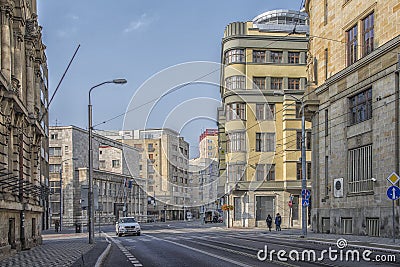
pixel 126 226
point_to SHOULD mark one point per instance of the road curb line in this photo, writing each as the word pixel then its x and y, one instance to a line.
pixel 103 255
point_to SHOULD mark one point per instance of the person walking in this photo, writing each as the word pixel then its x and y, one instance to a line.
pixel 278 222
pixel 269 222
pixel 56 225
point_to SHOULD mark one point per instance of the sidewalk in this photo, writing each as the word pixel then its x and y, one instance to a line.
pixel 355 241
pixel 66 248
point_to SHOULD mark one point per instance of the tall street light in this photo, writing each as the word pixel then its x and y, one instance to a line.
pixel 61 191
pixel 303 166
pixel 90 194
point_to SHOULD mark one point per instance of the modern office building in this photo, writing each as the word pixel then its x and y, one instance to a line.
pixel 353 103
pixel 264 72
pixel 164 165
pixel 23 128
pixel 115 178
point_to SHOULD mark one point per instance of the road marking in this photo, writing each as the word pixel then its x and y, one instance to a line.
pixel 127 253
pixel 205 252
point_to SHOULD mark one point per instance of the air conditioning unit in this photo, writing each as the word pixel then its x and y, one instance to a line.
pixel 338 187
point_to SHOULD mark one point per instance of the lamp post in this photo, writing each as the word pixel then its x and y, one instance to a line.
pixel 90 193
pixel 303 166
pixel 61 191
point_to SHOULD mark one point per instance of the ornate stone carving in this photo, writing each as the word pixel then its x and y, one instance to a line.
pixel 15 85
pixel 32 27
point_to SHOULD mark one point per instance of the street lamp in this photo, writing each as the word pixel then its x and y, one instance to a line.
pixel 90 193
pixel 303 166
pixel 61 191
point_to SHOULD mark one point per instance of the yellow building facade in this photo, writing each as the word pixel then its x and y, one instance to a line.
pixel 263 80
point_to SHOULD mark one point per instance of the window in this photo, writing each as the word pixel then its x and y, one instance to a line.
pixel 234 56
pixel 259 56
pixel 360 169
pixel 235 82
pixel 326 62
pixel 236 172
pixel 325 12
pixel 33 227
pixel 259 83
pixel 54 167
pixel 368 34
pixel 235 111
pixel 361 107
pixel 236 142
pixel 347 226
pixel 276 83
pixel 373 226
pixel 294 57
pixel 268 169
pixel 326 122
pixel 294 83
pixel 102 164
pixel 55 187
pixel 55 151
pixel 298 110
pixel 276 57
pixel 115 163
pixel 299 138
pixel 299 171
pixel 351 44
pixel 326 175
pixel 265 142
pixel 265 112
pixel 237 205
pixel 54 136
pixel 175 147
pixel 150 147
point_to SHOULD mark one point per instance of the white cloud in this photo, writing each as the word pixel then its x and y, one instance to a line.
pixel 139 23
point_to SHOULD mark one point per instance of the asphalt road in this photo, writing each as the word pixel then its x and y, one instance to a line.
pixel 192 244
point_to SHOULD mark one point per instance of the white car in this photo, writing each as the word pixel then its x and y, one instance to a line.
pixel 126 226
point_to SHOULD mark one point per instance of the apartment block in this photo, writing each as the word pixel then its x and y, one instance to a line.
pixel 115 178
pixel 164 164
pixel 263 80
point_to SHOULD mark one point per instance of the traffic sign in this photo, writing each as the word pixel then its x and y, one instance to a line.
pixel 393 178
pixel 305 202
pixel 393 192
pixel 305 194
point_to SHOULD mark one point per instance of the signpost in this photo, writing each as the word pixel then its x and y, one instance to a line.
pixel 393 193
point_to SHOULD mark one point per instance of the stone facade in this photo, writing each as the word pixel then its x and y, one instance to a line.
pixel 116 176
pixel 353 103
pixel 23 128
pixel 264 73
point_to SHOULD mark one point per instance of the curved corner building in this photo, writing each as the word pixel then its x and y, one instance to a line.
pixel 264 71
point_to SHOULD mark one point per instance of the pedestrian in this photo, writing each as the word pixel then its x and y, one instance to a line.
pixel 56 225
pixel 278 221
pixel 269 222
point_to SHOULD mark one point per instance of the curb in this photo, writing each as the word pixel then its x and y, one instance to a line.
pixel 103 255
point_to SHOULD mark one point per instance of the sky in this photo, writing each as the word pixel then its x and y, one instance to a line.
pixel 157 46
